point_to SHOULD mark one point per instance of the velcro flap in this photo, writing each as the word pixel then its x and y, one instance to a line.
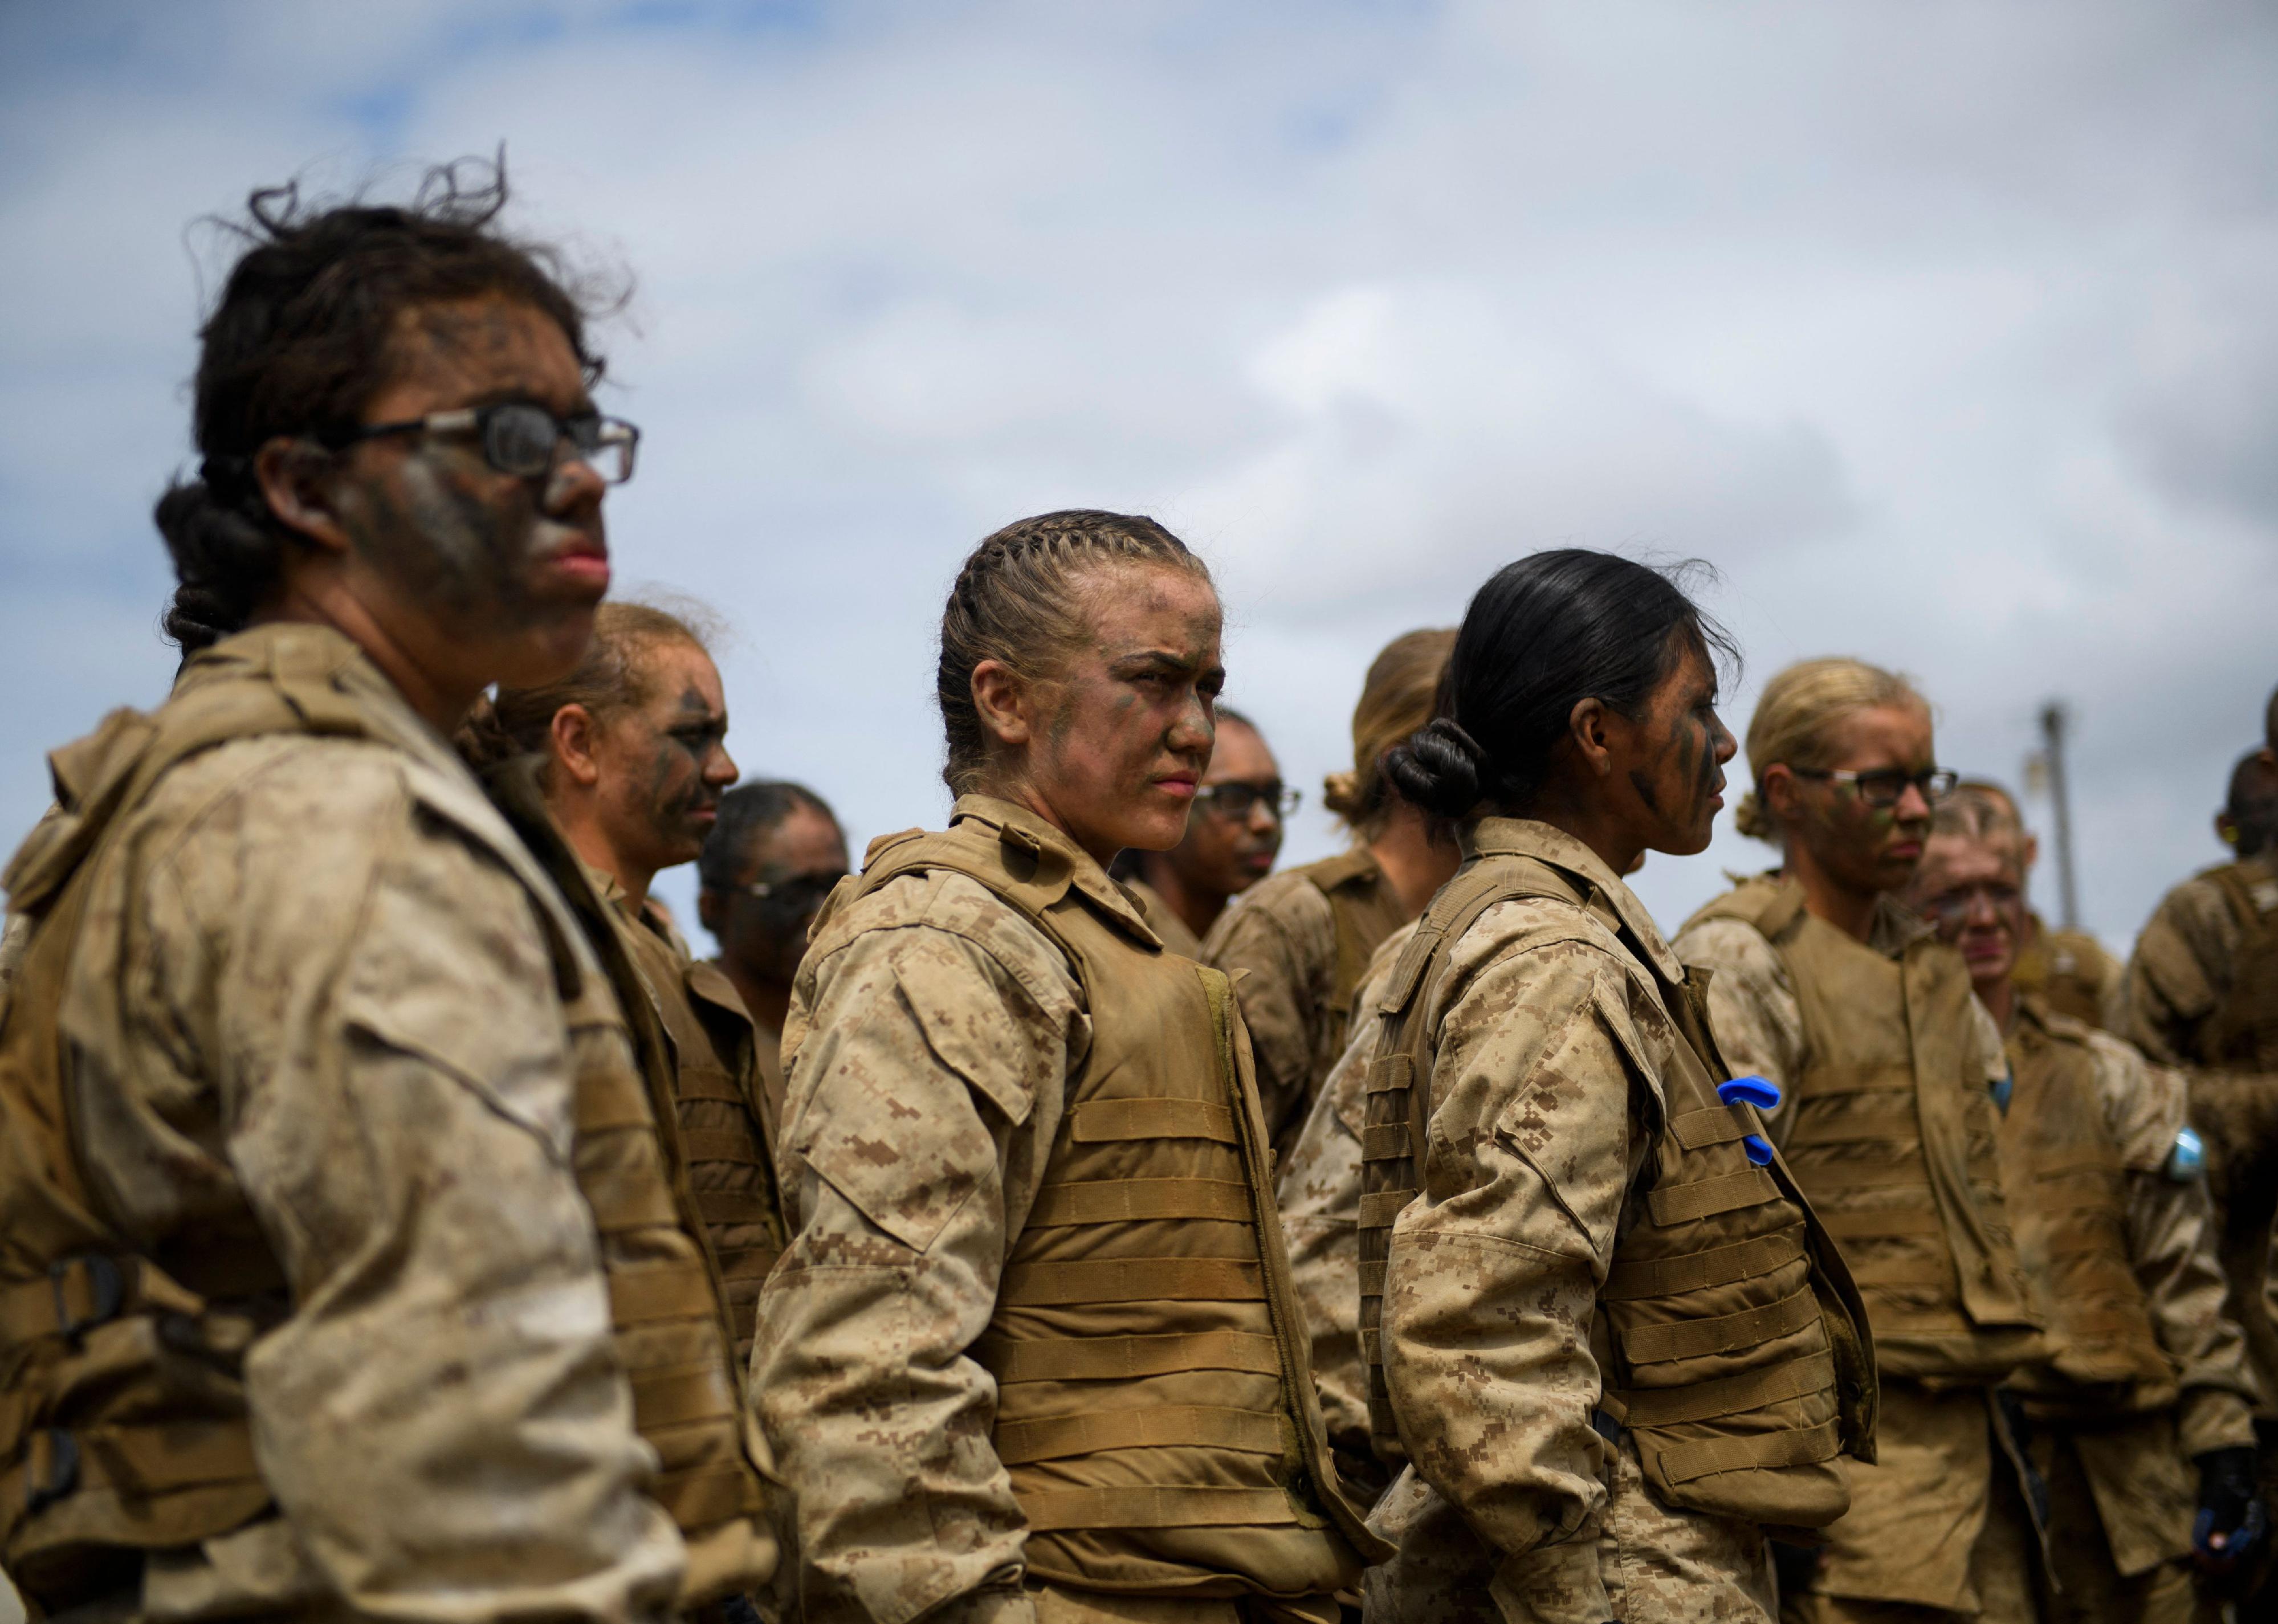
pixel 1665 1277
pixel 1139 1200
pixel 1107 1359
pixel 1761 1451
pixel 1133 1279
pixel 1751 1390
pixel 1140 1506
pixel 1387 1072
pixel 1156 1426
pixel 1716 1124
pixel 1379 1207
pixel 1703 1198
pixel 1103 1121
pixel 1724 1333
pixel 1387 1141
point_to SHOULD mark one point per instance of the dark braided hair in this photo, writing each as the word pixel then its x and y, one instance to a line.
pixel 1019 600
pixel 299 342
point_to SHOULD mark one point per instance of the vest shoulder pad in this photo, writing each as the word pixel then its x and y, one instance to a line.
pixel 1334 873
pixel 1767 905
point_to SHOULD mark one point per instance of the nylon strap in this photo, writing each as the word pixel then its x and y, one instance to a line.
pixel 1050 1510
pixel 1715 1124
pixel 1666 1276
pixel 1706 1197
pixel 707 1083
pixel 1121 1201
pixel 628 1198
pixel 1387 1141
pixel 601 1109
pixel 1372 1278
pixel 1056 1438
pixel 1751 1390
pixel 1109 1359
pixel 721 1145
pixel 1850 1173
pixel 1724 1334
pixel 1883 1222
pixel 1104 1121
pixel 733 1207
pixel 1820 1082
pixel 1388 1073
pixel 1379 1207
pixel 704 1495
pixel 1797 1447
pixel 1134 1279
pixel 1897 1124
pixel 1891 1273
pixel 677 1394
pixel 137 1461
pixel 640 1294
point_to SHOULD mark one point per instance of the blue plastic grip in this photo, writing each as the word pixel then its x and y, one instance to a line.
pixel 1760 1093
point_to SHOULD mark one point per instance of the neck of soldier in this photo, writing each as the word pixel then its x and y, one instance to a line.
pixel 1414 864
pixel 440 696
pixel 1826 894
pixel 581 825
pixel 1197 909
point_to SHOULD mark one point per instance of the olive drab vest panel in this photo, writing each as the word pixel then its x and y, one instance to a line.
pixel 2243 1031
pixel 1896 1144
pixel 115 1431
pixel 1153 1382
pixel 1735 1350
pixel 731 1172
pixel 1365 911
pixel 2072 1224
pixel 674 1335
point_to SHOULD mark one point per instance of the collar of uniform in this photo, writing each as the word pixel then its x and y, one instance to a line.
pixel 1892 929
pixel 317 666
pixel 1024 827
pixel 1603 894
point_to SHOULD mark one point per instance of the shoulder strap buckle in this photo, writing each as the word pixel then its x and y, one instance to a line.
pixel 103 1293
pixel 50 1468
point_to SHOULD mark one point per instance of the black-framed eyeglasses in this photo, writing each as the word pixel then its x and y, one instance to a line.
pixel 521 438
pixel 1235 801
pixel 1886 786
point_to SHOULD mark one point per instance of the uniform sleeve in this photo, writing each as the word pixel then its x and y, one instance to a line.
pixel 2177 973
pixel 1752 1007
pixel 1495 1269
pixel 2171 1238
pixel 440 1416
pixel 1280 1000
pixel 927 1074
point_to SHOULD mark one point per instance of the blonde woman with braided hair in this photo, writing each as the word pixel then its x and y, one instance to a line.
pixel 1825 985
pixel 1033 1351
pixel 1297 943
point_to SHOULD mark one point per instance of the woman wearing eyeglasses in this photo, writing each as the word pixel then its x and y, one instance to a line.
pixel 1830 989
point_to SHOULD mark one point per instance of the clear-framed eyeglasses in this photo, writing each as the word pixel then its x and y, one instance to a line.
pixel 522 438
pixel 1235 801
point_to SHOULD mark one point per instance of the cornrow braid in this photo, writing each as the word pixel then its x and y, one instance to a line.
pixel 1019 600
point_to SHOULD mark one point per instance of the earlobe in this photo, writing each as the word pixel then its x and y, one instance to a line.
pixel 295 480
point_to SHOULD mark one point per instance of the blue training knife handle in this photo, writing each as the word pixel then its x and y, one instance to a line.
pixel 1760 1093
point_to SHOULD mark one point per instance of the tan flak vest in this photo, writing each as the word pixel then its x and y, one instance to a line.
pixel 1895 1145
pixel 1733 1347
pixel 2243 1031
pixel 1365 911
pixel 716 1081
pixel 122 1413
pixel 1154 1405
pixel 2072 1227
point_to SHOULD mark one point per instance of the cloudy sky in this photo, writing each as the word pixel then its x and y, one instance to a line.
pixel 1945 331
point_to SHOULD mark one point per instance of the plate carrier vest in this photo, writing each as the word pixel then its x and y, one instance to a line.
pixel 1154 1388
pixel 1365 912
pixel 2242 1033
pixel 1895 1146
pixel 122 1415
pixel 2072 1216
pixel 1740 1359
pixel 715 1073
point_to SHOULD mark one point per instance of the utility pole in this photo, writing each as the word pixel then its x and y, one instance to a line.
pixel 2055 722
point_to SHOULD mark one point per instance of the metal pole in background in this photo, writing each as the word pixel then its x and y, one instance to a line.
pixel 2055 722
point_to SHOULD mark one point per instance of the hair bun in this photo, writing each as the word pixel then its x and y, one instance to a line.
pixel 1438 768
pixel 1340 794
pixel 1751 820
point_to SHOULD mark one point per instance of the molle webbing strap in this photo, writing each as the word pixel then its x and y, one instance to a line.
pixel 1102 1121
pixel 1115 1201
pixel 1666 1276
pixel 733 1206
pixel 1895 1123
pixel 1822 1081
pixel 1916 1217
pixel 1398 1084
pixel 642 1292
pixel 703 1496
pixel 1704 1198
pixel 1051 1510
pixel 1161 1426
pixel 1724 1334
pixel 1713 1124
pixel 1799 1446
pixel 1110 1359
pixel 136 1462
pixel 629 1198
pixel 718 1144
pixel 706 1084
pixel 1132 1280
pixel 677 1395
pixel 1697 1401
